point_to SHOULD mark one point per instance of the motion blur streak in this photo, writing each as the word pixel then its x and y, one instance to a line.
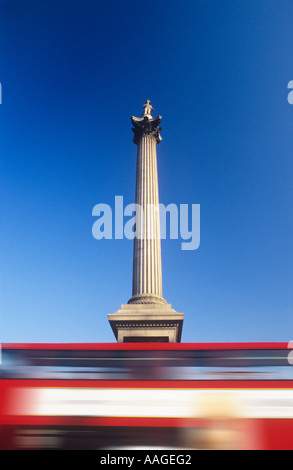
pixel 187 396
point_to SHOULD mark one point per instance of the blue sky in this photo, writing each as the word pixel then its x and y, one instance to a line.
pixel 72 75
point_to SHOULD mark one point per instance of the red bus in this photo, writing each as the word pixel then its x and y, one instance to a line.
pixel 146 396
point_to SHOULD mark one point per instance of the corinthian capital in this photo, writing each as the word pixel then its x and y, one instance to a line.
pixel 146 125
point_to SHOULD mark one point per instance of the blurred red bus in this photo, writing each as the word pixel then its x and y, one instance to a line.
pixel 146 396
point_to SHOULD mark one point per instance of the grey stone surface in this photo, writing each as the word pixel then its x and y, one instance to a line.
pixel 148 316
pixel 147 265
pixel 147 322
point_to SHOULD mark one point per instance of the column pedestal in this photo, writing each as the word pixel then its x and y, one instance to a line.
pixel 146 323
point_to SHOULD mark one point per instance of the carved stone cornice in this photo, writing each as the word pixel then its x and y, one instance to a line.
pixel 146 324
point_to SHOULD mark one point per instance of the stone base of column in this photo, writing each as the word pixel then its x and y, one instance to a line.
pixel 146 323
pixel 147 299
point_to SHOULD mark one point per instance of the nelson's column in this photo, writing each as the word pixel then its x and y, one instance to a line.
pixel 147 317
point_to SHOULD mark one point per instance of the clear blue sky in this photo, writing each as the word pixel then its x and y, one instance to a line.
pixel 72 74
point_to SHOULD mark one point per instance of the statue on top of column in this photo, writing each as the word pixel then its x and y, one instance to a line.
pixel 147 110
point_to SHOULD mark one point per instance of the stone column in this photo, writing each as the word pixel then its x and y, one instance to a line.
pixel 147 317
pixel 147 265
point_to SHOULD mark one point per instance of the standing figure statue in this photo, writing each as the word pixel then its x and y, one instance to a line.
pixel 147 109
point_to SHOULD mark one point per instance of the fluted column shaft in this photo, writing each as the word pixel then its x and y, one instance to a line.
pixel 147 318
pixel 147 265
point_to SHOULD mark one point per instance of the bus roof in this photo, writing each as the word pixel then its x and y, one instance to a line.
pixel 148 346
